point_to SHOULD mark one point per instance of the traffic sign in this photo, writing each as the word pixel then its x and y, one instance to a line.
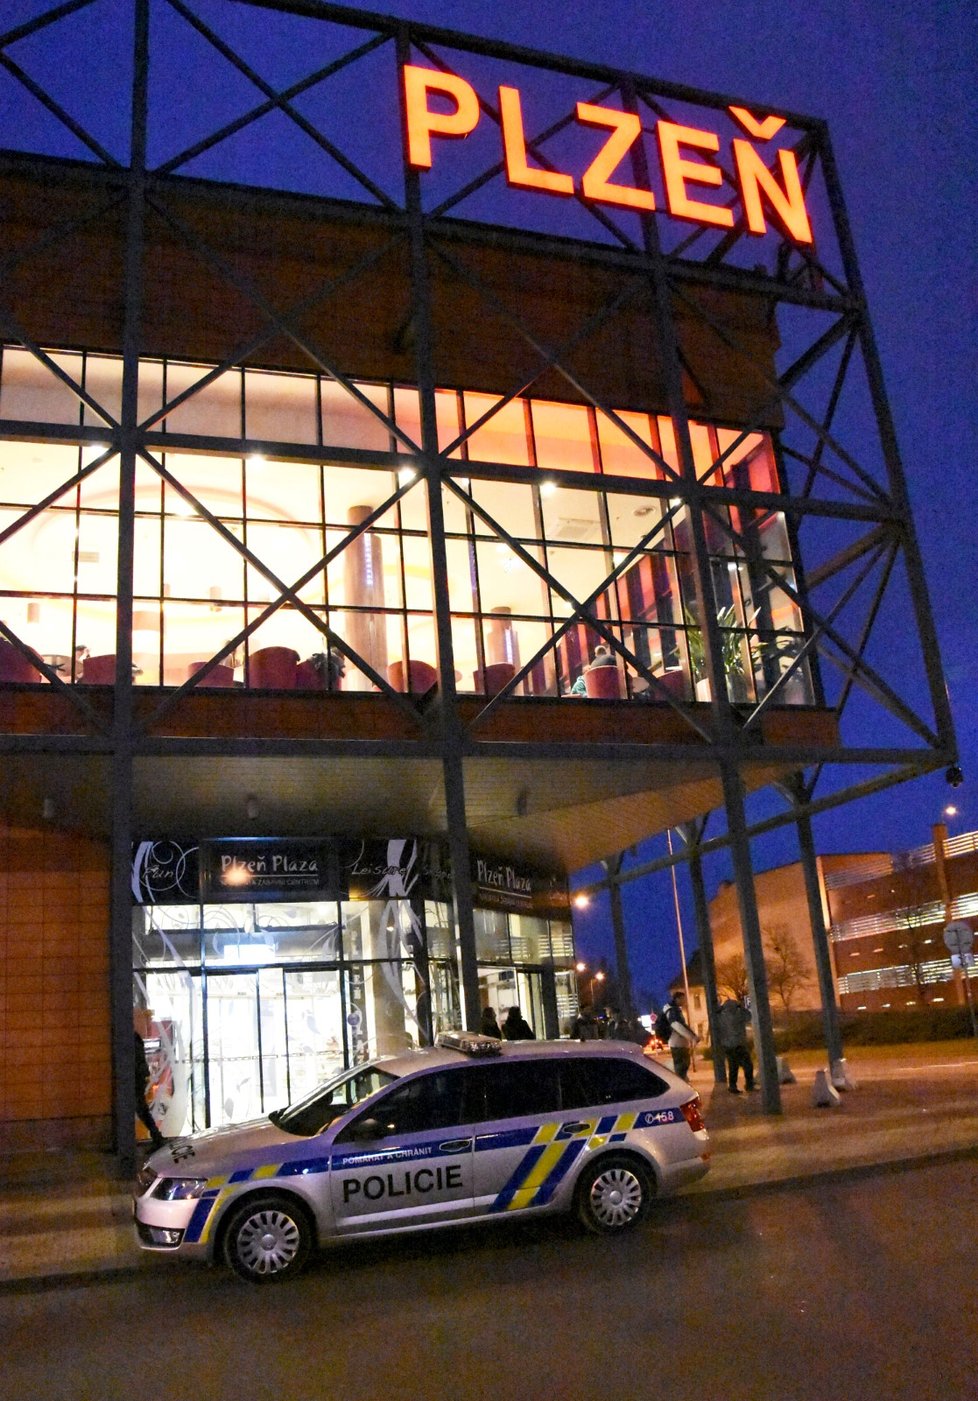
pixel 959 937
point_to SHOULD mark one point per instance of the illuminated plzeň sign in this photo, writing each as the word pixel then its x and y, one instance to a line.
pixel 688 156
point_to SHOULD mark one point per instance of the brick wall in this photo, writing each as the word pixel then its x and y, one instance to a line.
pixel 55 1061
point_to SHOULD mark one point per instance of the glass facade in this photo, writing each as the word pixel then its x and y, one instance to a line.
pixel 246 1006
pixel 253 562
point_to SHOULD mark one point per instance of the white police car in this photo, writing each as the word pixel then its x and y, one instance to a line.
pixel 470 1129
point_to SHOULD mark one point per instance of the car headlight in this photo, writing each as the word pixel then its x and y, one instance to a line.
pixel 180 1189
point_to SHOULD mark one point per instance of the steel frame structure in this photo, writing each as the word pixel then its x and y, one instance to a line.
pixel 844 493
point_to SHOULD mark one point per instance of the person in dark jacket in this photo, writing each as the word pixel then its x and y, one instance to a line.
pixel 142 1074
pixel 733 1019
pixel 489 1026
pixel 516 1028
pixel 585 1025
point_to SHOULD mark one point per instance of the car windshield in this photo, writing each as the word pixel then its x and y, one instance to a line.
pixel 311 1114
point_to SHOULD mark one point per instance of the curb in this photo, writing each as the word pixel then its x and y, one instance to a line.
pixel 144 1265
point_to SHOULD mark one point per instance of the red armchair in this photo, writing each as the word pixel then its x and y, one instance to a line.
pixel 603 683
pixel 14 666
pixel 99 671
pixel 494 677
pixel 421 677
pixel 220 675
pixel 273 668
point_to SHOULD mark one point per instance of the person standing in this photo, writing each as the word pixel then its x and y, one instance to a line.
pixel 682 1037
pixel 585 1025
pixel 142 1074
pixel 489 1025
pixel 733 1020
pixel 516 1028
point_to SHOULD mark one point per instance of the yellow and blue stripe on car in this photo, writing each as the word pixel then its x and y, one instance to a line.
pixel 554 1148
pixel 218 1189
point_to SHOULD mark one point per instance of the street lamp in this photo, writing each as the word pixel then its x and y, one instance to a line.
pixel 598 977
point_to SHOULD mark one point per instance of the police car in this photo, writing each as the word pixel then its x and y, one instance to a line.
pixel 469 1129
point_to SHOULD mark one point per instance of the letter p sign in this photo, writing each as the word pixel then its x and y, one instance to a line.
pixel 423 123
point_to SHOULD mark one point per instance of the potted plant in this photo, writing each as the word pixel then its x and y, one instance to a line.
pixel 732 651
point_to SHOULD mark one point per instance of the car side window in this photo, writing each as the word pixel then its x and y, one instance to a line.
pixel 594 1080
pixel 431 1101
pixel 520 1088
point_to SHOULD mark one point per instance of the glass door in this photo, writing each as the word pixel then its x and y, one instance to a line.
pixel 503 988
pixel 234 1048
pixel 314 1028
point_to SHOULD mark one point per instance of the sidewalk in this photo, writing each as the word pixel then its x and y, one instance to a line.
pixel 65 1217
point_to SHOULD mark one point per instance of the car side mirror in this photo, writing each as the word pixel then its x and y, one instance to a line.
pixel 369 1128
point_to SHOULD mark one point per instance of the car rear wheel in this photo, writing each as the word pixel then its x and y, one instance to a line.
pixel 267 1239
pixel 614 1194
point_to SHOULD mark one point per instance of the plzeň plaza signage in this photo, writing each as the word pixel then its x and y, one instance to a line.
pixel 245 868
pixel 507 885
pixel 440 106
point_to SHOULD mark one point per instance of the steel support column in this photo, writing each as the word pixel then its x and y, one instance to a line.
pixel 820 939
pixel 733 797
pixel 923 612
pixel 626 998
pixel 450 728
pixel 120 894
pixel 704 938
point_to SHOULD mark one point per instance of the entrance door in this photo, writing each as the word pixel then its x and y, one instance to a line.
pixel 502 988
pixel 238 1028
pixel 273 1034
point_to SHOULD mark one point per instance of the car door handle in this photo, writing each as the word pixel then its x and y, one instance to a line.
pixel 455 1145
pixel 576 1128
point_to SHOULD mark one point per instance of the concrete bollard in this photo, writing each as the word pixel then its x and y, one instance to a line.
pixel 786 1075
pixel 824 1094
pixel 840 1075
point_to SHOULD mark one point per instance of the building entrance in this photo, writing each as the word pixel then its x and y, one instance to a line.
pixel 226 1047
pixel 502 988
pixel 249 1000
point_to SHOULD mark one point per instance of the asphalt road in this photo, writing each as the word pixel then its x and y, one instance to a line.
pixel 853 1290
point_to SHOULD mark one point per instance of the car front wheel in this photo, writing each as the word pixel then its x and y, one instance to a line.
pixel 267 1239
pixel 614 1194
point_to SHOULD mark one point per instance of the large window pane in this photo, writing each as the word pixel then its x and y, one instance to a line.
pixel 289 553
pixel 314 1026
pixel 198 562
pixel 193 633
pixel 278 490
pixel 572 516
pixel 620 455
pixel 530 938
pixel 417 572
pixel 562 437
pixel 213 411
pixel 214 482
pixel 382 1009
pixel 29 472
pixel 503 438
pixel 581 572
pixel 38 557
pixel 491 936
pixel 29 391
pixel 461 575
pixel 103 381
pixel 505 580
pixel 280 408
pixel 635 518
pixel 348 423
